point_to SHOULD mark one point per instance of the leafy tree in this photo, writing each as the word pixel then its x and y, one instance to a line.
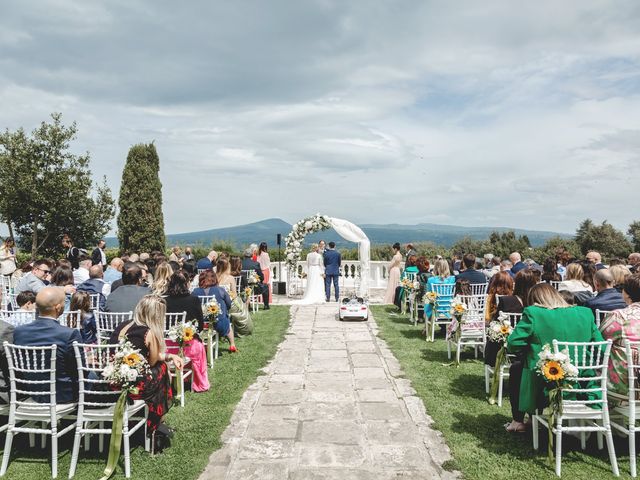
pixel 46 190
pixel 634 233
pixel 505 243
pixel 605 239
pixel 555 246
pixel 469 245
pixel 140 220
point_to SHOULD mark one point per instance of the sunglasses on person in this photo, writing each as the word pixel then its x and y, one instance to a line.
pixel 46 272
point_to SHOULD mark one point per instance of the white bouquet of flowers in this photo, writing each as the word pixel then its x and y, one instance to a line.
pixel 126 368
pixel 430 298
pixel 183 333
pixel 458 308
pixel 500 329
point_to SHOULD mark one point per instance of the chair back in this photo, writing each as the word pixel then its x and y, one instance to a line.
pixel 555 284
pixel 16 318
pixel 475 308
pixel 514 318
pixel 204 299
pixel 601 316
pixel 107 322
pixel 95 301
pixel 632 349
pixel 32 374
pixel 13 300
pixel 200 270
pixel 592 361
pixel 71 319
pixel 411 276
pixel 445 295
pixel 479 288
pixel 173 319
pixel 93 390
pixel 238 280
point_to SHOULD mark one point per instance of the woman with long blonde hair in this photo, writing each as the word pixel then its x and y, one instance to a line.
pixel 225 279
pixel 146 333
pixel 161 279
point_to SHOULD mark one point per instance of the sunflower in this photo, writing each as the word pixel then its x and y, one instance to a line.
pixel 132 359
pixel 187 336
pixel 553 371
pixel 213 309
pixel 504 329
pixel 459 308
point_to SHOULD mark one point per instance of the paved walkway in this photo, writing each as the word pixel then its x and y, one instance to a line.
pixel 331 405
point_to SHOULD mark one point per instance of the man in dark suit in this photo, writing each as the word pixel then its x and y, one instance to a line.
pixel 248 264
pixel 470 273
pixel 95 284
pixel 126 297
pixel 518 264
pixel 608 298
pixel 98 257
pixel 332 263
pixel 47 331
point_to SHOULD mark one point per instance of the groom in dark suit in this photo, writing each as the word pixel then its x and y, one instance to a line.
pixel 332 263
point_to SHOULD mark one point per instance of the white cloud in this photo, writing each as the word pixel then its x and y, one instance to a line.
pixel 512 115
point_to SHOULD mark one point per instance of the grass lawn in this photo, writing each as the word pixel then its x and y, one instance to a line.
pixel 473 429
pixel 199 425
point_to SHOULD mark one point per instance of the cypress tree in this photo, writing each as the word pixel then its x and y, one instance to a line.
pixel 140 220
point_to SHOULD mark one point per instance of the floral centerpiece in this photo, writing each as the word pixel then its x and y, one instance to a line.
pixel 183 334
pixel 458 309
pixel 210 311
pixel 125 370
pixel 246 293
pixel 558 373
pixel 498 332
pixel 295 239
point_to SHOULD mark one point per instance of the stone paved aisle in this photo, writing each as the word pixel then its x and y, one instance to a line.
pixel 331 405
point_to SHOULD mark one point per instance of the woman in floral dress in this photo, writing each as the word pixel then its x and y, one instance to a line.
pixel 621 324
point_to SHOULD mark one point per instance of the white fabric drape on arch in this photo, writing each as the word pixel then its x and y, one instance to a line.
pixel 353 233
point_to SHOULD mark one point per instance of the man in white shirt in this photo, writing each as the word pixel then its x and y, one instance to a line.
pixel 81 274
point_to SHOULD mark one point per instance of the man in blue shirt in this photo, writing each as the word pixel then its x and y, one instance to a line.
pixel 470 273
pixel 608 298
pixel 208 262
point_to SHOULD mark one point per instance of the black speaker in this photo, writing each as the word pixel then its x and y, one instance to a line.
pixel 279 239
pixel 280 288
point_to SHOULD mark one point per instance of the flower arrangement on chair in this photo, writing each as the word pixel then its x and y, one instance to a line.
pixel 253 278
pixel 126 369
pixel 246 293
pixel 183 334
pixel 558 373
pixel 430 298
pixel 458 310
pixel 498 332
pixel 211 311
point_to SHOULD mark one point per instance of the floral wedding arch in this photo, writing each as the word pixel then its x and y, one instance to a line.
pixel 347 230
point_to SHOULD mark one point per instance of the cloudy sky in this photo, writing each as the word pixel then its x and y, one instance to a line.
pixel 498 113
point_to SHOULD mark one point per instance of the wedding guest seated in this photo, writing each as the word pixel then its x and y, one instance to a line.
pixel 409 268
pixel 470 274
pixel 513 303
pixel 607 298
pixel 47 331
pixel 146 333
pixel 589 270
pixel 506 266
pixel 81 274
pixel 62 277
pixel 619 274
pixel 26 303
pixel 34 281
pixel 595 259
pixel 492 267
pixel 161 279
pixel 622 324
pixel 179 299
pixel 81 301
pixel 225 279
pixel 502 285
pixel 518 264
pixel 547 318
pixel 550 271
pixel 207 262
pixel 125 298
pixel 209 286
pixel 441 274
pixel 634 262
pixel 114 270
pixel 248 264
pixel 96 285
pixel 574 282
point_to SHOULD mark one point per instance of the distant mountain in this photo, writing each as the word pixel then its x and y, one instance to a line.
pixel 266 230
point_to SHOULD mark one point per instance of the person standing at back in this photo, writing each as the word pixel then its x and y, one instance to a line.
pixel 73 253
pixel 332 263
pixel 98 257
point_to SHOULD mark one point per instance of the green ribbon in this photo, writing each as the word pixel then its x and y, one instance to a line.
pixel 116 436
pixel 178 378
pixel 555 407
pixel 495 383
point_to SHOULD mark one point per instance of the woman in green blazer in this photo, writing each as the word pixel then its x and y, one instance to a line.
pixel 547 318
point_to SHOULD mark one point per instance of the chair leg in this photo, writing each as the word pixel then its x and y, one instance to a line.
pixel 7 450
pixel 612 451
pixel 77 440
pixel 32 440
pixel 632 449
pixel 487 381
pixel 583 437
pixel 54 452
pixel 127 457
pixel 500 385
pixel 458 349
pixel 558 449
pixel 534 431
pixel 182 390
pixel 101 439
pixel 449 349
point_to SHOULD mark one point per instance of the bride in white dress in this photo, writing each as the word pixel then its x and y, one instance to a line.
pixel 315 292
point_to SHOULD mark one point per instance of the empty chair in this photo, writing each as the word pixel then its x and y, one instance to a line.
pixel 32 374
pixel 96 403
pixel 591 359
pixel 472 331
